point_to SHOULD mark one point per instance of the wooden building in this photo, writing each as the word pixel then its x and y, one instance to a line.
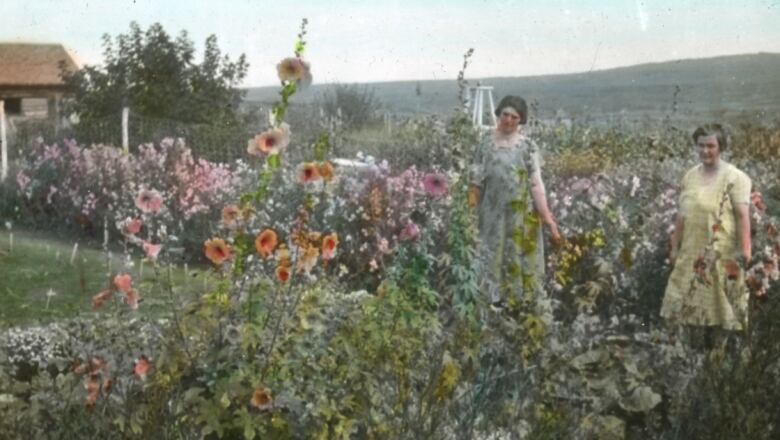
pixel 31 88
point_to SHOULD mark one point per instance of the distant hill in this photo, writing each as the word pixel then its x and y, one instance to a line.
pixel 720 85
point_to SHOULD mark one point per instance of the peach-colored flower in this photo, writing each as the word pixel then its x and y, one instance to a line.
pixel 326 171
pixel 149 201
pixel 270 141
pixel 307 259
pixel 283 256
pixel 100 298
pixel 132 226
pixel 283 273
pixel 123 282
pixel 265 243
pixel 294 69
pixel 308 172
pixel 152 250
pixel 217 250
pixel 329 245
pixel 230 214
pixel 142 366
pixel 131 298
pixel 771 230
pixel 262 399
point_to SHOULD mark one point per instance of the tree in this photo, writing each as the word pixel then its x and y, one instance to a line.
pixel 357 107
pixel 158 78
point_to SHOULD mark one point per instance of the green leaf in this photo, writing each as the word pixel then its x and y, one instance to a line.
pixel 274 161
pixel 225 400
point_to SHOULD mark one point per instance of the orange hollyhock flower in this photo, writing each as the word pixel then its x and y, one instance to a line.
pixel 326 171
pixel 100 298
pixel 217 250
pixel 142 366
pixel 265 243
pixel 270 141
pixel 131 298
pixel 309 172
pixel 732 269
pixel 123 282
pixel 262 399
pixel 329 244
pixel 230 214
pixel 282 273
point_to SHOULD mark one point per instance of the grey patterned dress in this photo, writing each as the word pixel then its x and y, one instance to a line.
pixel 511 253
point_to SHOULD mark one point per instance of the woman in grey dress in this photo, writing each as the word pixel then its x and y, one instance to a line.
pixel 511 203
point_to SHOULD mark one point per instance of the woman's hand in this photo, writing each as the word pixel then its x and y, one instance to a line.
pixel 555 235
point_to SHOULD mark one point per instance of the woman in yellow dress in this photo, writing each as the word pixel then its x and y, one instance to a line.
pixel 711 235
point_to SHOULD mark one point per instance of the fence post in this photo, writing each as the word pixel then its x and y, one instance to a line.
pixel 3 143
pixel 125 136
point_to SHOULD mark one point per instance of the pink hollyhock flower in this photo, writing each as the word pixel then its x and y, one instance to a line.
pixel 149 201
pixel 271 141
pixel 294 69
pixel 435 185
pixel 152 250
pixel 142 366
pixel 409 232
pixel 123 282
pixel 132 226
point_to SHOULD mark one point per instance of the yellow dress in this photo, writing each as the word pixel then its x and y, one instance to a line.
pixel 711 299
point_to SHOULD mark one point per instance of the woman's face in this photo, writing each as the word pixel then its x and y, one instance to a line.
pixel 709 150
pixel 508 120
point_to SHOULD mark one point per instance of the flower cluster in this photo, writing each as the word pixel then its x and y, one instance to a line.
pixel 87 186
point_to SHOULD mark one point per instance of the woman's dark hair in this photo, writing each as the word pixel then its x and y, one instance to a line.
pixel 516 103
pixel 716 130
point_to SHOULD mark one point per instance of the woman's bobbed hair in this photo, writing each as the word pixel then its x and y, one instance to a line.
pixel 716 130
pixel 516 103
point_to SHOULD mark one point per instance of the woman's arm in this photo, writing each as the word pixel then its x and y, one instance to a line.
pixel 742 215
pixel 674 242
pixel 539 195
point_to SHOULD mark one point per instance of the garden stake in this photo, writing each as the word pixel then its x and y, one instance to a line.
pixel 73 254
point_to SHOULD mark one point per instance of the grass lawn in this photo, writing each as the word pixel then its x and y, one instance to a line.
pixel 40 262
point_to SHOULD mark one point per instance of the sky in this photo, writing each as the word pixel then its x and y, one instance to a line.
pixel 370 41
